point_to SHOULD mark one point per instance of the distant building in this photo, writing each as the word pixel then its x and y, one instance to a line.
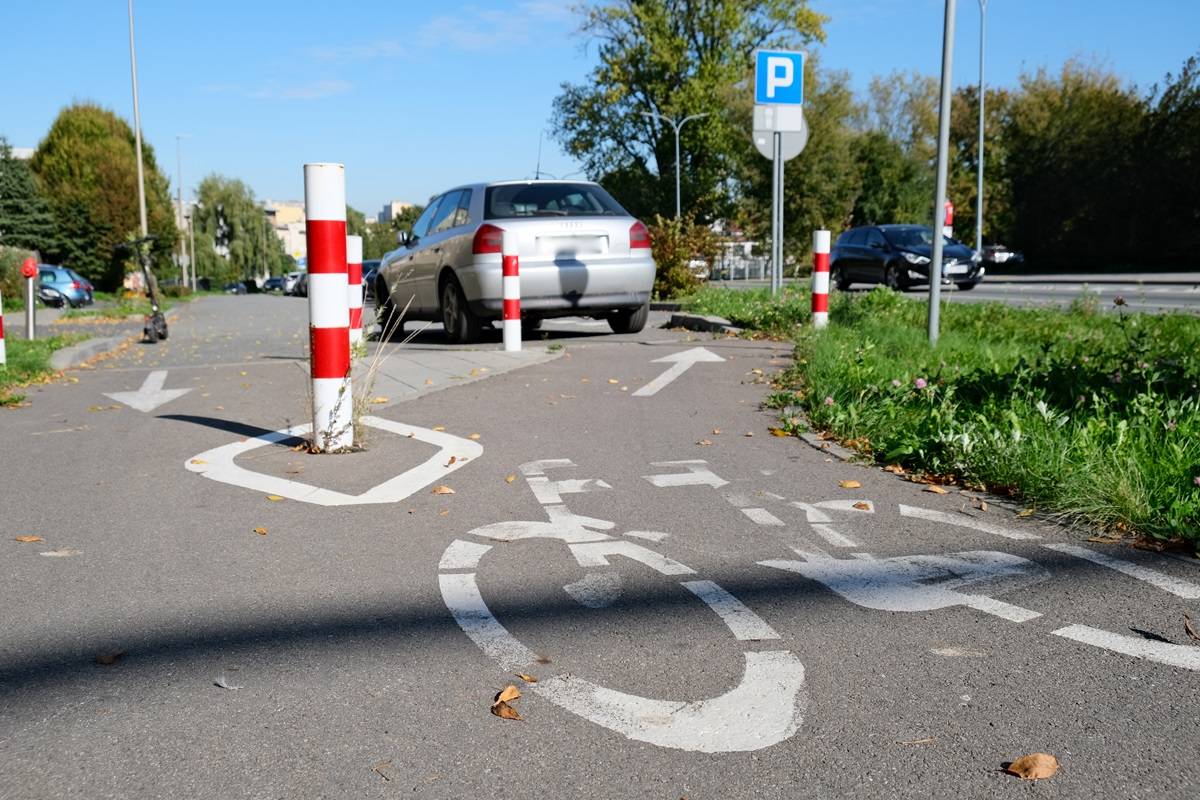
pixel 22 153
pixel 287 220
pixel 392 210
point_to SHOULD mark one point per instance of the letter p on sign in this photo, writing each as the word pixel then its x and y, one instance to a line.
pixel 779 77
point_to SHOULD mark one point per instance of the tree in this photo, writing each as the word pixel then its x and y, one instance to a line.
pixel 676 58
pixel 87 169
pixel 1169 207
pixel 26 220
pixel 963 184
pixel 893 187
pixel 234 240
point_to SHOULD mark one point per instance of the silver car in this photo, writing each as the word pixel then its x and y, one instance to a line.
pixel 581 254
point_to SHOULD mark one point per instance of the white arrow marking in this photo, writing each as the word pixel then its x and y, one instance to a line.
pixel 151 395
pixel 681 363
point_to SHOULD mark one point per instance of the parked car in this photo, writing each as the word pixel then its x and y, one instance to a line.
pixel 898 256
pixel 997 254
pixel 301 287
pixel 273 285
pixel 369 270
pixel 236 287
pixel 75 290
pixel 289 282
pixel 581 254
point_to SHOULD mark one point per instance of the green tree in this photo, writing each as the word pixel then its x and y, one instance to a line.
pixel 26 220
pixel 234 239
pixel 87 169
pixel 676 58
pixel 998 225
pixel 1168 214
pixel 893 186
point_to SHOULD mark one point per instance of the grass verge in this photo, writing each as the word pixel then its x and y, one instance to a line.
pixel 1089 414
pixel 28 363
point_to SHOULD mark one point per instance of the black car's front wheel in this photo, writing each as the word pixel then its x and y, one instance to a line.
pixel 838 276
pixel 460 323
pixel 894 277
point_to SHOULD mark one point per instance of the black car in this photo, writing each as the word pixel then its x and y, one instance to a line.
pixel 273 285
pixel 898 256
pixel 370 269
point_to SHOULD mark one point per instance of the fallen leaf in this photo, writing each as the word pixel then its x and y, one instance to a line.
pixel 197 461
pixel 861 506
pixel 527 678
pixel 850 484
pixel 379 399
pixel 757 371
pixel 474 371
pixel 509 478
pixel 29 539
pixel 1028 512
pixel 274 498
pixel 895 469
pixel 450 463
pixel 613 380
pixel 439 428
pixel 445 512
pixel 1034 766
pixel 473 436
pixel 983 506
pixel 505 711
pixel 716 431
pixel 261 531
pixel 62 552
pixel 748 434
pixel 1104 539
pixel 224 683
pixel 219 408
pixel 585 380
pixel 376 769
pixel 509 692
pixel 109 657
pixel 442 490
pixel 541 659
pixel 1189 628
pixel 704 442
pixel 243 374
pixel 778 432
pixel 935 489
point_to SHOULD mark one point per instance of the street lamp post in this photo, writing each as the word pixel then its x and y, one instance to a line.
pixel 979 188
pixel 677 126
pixel 183 260
pixel 943 151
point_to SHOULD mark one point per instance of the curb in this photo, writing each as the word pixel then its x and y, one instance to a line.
pixel 76 354
pixel 666 306
pixel 701 322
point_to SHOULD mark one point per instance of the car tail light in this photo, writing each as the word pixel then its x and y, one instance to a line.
pixel 639 237
pixel 488 239
pixel 76 285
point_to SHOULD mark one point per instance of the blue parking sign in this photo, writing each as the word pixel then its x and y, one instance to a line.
pixel 779 77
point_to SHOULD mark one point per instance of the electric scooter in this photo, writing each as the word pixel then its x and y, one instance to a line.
pixel 155 323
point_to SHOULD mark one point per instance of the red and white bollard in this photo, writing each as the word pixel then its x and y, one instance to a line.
pixel 820 285
pixel 512 291
pixel 354 250
pixel 328 309
pixel 3 356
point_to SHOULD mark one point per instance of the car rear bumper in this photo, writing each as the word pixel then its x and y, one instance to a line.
pixel 561 287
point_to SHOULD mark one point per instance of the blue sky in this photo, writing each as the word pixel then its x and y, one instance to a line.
pixel 416 96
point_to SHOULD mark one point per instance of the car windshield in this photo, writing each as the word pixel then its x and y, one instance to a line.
pixel 915 236
pixel 544 199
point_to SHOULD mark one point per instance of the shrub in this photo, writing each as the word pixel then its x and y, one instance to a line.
pixel 674 243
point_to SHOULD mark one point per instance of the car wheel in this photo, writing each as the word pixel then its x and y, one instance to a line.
pixel 530 324
pixel 462 326
pixel 385 312
pixel 894 279
pixel 630 320
pixel 838 276
pixel 967 286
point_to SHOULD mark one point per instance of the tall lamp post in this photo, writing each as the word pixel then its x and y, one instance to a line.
pixel 183 260
pixel 137 128
pixel 943 151
pixel 979 188
pixel 677 125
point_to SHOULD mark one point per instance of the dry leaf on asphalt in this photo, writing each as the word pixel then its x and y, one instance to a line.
pixel 109 657
pixel 778 432
pixel 704 442
pixel 716 431
pixel 379 399
pixel 62 552
pixel 505 711
pixel 28 539
pixel 261 531
pixel 473 436
pixel 439 428
pixel 197 461
pixel 850 484
pixel 748 434
pixel 274 498
pixel 224 683
pixel 895 469
pixel 541 659
pixel 527 678
pixel 1189 628
pixel 453 459
pixel 509 478
pixel 445 512
pixel 1104 539
pixel 509 692
pixel 935 489
pixel 613 380
pixel 442 490
pixel 1028 512
pixel 429 381
pixel 861 506
pixel 1034 766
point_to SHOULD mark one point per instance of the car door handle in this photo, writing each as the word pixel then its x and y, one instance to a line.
pixel 437 249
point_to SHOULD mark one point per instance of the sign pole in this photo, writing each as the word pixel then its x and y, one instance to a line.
pixel 29 271
pixel 935 266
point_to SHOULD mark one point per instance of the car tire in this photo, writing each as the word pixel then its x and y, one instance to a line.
pixel 893 277
pixel 838 276
pixel 967 286
pixel 630 320
pixel 531 324
pixel 460 323
pixel 385 311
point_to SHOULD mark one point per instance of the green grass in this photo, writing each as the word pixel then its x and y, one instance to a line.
pixel 1091 415
pixel 123 307
pixel 29 362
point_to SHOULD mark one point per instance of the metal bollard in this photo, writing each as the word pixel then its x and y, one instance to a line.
pixel 354 257
pixel 820 284
pixel 512 291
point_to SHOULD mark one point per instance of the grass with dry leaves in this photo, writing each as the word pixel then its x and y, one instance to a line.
pixel 27 363
pixel 1090 414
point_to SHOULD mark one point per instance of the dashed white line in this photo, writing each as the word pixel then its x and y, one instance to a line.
pixel 1160 580
pixel 836 539
pixel 760 516
pixel 961 521
pixel 1173 655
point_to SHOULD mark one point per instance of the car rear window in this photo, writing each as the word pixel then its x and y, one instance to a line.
pixel 544 199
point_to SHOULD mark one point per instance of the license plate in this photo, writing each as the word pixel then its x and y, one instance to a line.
pixel 560 246
pixel 955 269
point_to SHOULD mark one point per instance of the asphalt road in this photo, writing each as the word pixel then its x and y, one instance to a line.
pixel 708 612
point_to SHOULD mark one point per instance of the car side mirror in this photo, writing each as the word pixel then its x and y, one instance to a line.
pixel 405 238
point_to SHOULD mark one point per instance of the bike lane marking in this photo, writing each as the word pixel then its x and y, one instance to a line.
pixel 963 522
pixel 1159 580
pixel 1173 655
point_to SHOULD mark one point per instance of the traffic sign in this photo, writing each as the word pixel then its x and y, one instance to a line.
pixel 793 138
pixel 779 77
